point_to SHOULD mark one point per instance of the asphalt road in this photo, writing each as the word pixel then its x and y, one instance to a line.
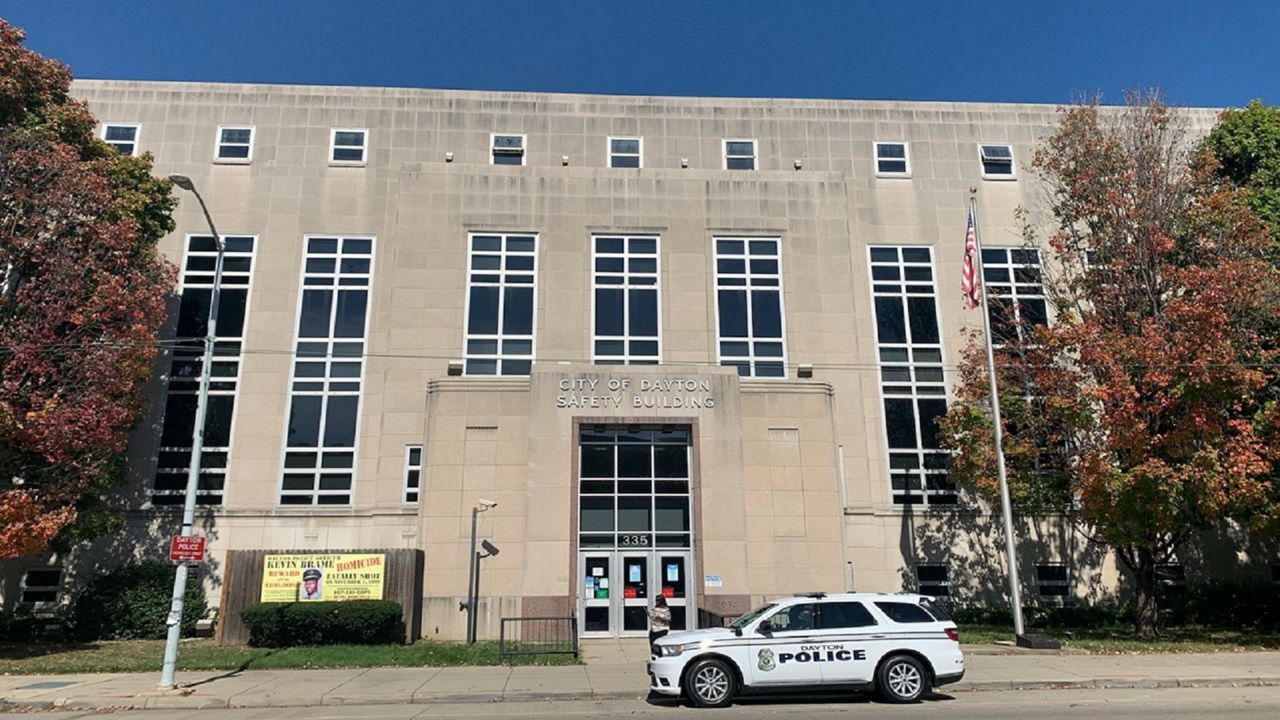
pixel 1246 703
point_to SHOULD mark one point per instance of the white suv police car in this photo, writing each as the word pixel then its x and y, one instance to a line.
pixel 899 645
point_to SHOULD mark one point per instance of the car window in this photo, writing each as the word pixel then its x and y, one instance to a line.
pixel 835 615
pixel 745 620
pixel 796 617
pixel 905 612
pixel 935 610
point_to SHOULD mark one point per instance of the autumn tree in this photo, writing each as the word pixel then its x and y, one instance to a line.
pixel 1246 144
pixel 83 297
pixel 1135 413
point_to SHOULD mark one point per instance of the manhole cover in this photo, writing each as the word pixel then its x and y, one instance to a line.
pixel 48 685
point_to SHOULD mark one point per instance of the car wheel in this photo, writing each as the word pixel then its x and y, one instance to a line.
pixel 902 679
pixel 710 683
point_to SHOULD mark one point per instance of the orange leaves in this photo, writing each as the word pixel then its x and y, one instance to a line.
pixel 26 528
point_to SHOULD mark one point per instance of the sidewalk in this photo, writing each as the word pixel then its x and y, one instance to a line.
pixel 614 670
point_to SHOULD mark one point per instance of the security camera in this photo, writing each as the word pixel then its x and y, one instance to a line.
pixel 486 504
pixel 489 547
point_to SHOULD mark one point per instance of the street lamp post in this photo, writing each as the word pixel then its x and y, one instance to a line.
pixel 471 575
pixel 197 445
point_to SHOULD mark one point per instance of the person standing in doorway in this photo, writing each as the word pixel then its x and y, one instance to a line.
pixel 659 618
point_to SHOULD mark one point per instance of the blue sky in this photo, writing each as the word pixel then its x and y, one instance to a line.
pixel 1201 53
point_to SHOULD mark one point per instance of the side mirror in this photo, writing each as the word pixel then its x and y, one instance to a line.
pixel 765 628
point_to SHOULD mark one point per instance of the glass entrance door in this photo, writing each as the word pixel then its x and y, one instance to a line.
pixel 618 588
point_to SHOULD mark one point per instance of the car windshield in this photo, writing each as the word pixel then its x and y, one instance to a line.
pixel 745 620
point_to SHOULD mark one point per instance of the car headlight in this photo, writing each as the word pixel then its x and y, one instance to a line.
pixel 674 650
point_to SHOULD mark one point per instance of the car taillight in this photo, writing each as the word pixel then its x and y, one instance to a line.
pixel 953 633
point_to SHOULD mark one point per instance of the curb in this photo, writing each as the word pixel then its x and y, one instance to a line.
pixel 194 703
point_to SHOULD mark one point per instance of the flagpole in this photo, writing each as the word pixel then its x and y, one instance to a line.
pixel 1015 595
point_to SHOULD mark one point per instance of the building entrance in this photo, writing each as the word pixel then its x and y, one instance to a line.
pixel 618 588
pixel 635 537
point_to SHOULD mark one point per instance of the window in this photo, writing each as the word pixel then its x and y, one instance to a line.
pixel 412 472
pixel 891 160
pixel 625 152
pixel 41 586
pixel 1015 289
pixel 1171 577
pixel 749 313
pixel 626 299
pixel 836 615
pixel 633 486
pixel 346 146
pixel 328 367
pixel 739 154
pixel 173 459
pixel 933 580
pixel 123 137
pixel 905 612
pixel 794 618
pixel 912 380
pixel 1051 581
pixel 507 149
pixel 235 144
pixel 997 161
pixel 500 304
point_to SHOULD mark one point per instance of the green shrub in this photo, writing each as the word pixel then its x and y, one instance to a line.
pixel 132 602
pixel 1234 604
pixel 21 628
pixel 1071 616
pixel 351 622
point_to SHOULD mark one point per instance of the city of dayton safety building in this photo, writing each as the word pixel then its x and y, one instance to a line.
pixel 690 346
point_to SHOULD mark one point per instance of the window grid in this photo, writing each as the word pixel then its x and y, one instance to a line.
pixel 646 475
pixel 1053 581
pixel 739 154
pixel 347 146
pixel 625 279
pixel 412 472
pixel 41 586
pixel 892 160
pixel 234 144
pixel 912 380
pixel 123 137
pixel 324 401
pixel 933 580
pixel 1015 291
pixel 997 161
pixel 750 320
pixel 173 457
pixel 506 149
pixel 626 152
pixel 501 304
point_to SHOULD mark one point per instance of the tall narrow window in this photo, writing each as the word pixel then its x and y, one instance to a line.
pixel 123 137
pixel 324 397
pixel 412 472
pixel 235 144
pixel 347 146
pixel 174 456
pixel 626 300
pixel 997 161
pixel 633 487
pixel 500 304
pixel 739 154
pixel 891 160
pixel 507 149
pixel 625 152
pixel 749 306
pixel 1015 292
pixel 911 374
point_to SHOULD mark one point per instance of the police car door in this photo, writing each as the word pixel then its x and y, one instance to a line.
pixel 778 655
pixel 848 650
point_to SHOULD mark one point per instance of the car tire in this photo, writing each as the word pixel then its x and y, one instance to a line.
pixel 902 679
pixel 710 683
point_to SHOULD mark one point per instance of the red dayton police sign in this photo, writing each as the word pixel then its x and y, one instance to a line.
pixel 188 549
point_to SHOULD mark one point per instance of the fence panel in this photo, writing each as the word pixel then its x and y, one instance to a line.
pixel 538 636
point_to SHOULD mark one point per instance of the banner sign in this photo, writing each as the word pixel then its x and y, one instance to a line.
pixel 287 578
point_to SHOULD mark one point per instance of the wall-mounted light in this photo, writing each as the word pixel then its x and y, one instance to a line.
pixel 684 162
pixel 804 370
pixel 448 157
pixel 564 160
pixel 455 367
pixel 799 163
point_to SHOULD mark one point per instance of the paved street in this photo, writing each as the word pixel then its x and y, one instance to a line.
pixel 1226 703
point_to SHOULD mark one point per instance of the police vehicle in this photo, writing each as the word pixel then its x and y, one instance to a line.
pixel 900 645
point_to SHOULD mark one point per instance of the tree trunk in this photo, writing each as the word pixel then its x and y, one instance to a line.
pixel 1146 611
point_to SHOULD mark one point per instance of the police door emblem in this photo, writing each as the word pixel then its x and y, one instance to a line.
pixel 766 662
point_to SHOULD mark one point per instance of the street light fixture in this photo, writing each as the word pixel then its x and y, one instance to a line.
pixel 197 445
pixel 473 561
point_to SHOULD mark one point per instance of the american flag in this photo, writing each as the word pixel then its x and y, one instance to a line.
pixel 969 283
